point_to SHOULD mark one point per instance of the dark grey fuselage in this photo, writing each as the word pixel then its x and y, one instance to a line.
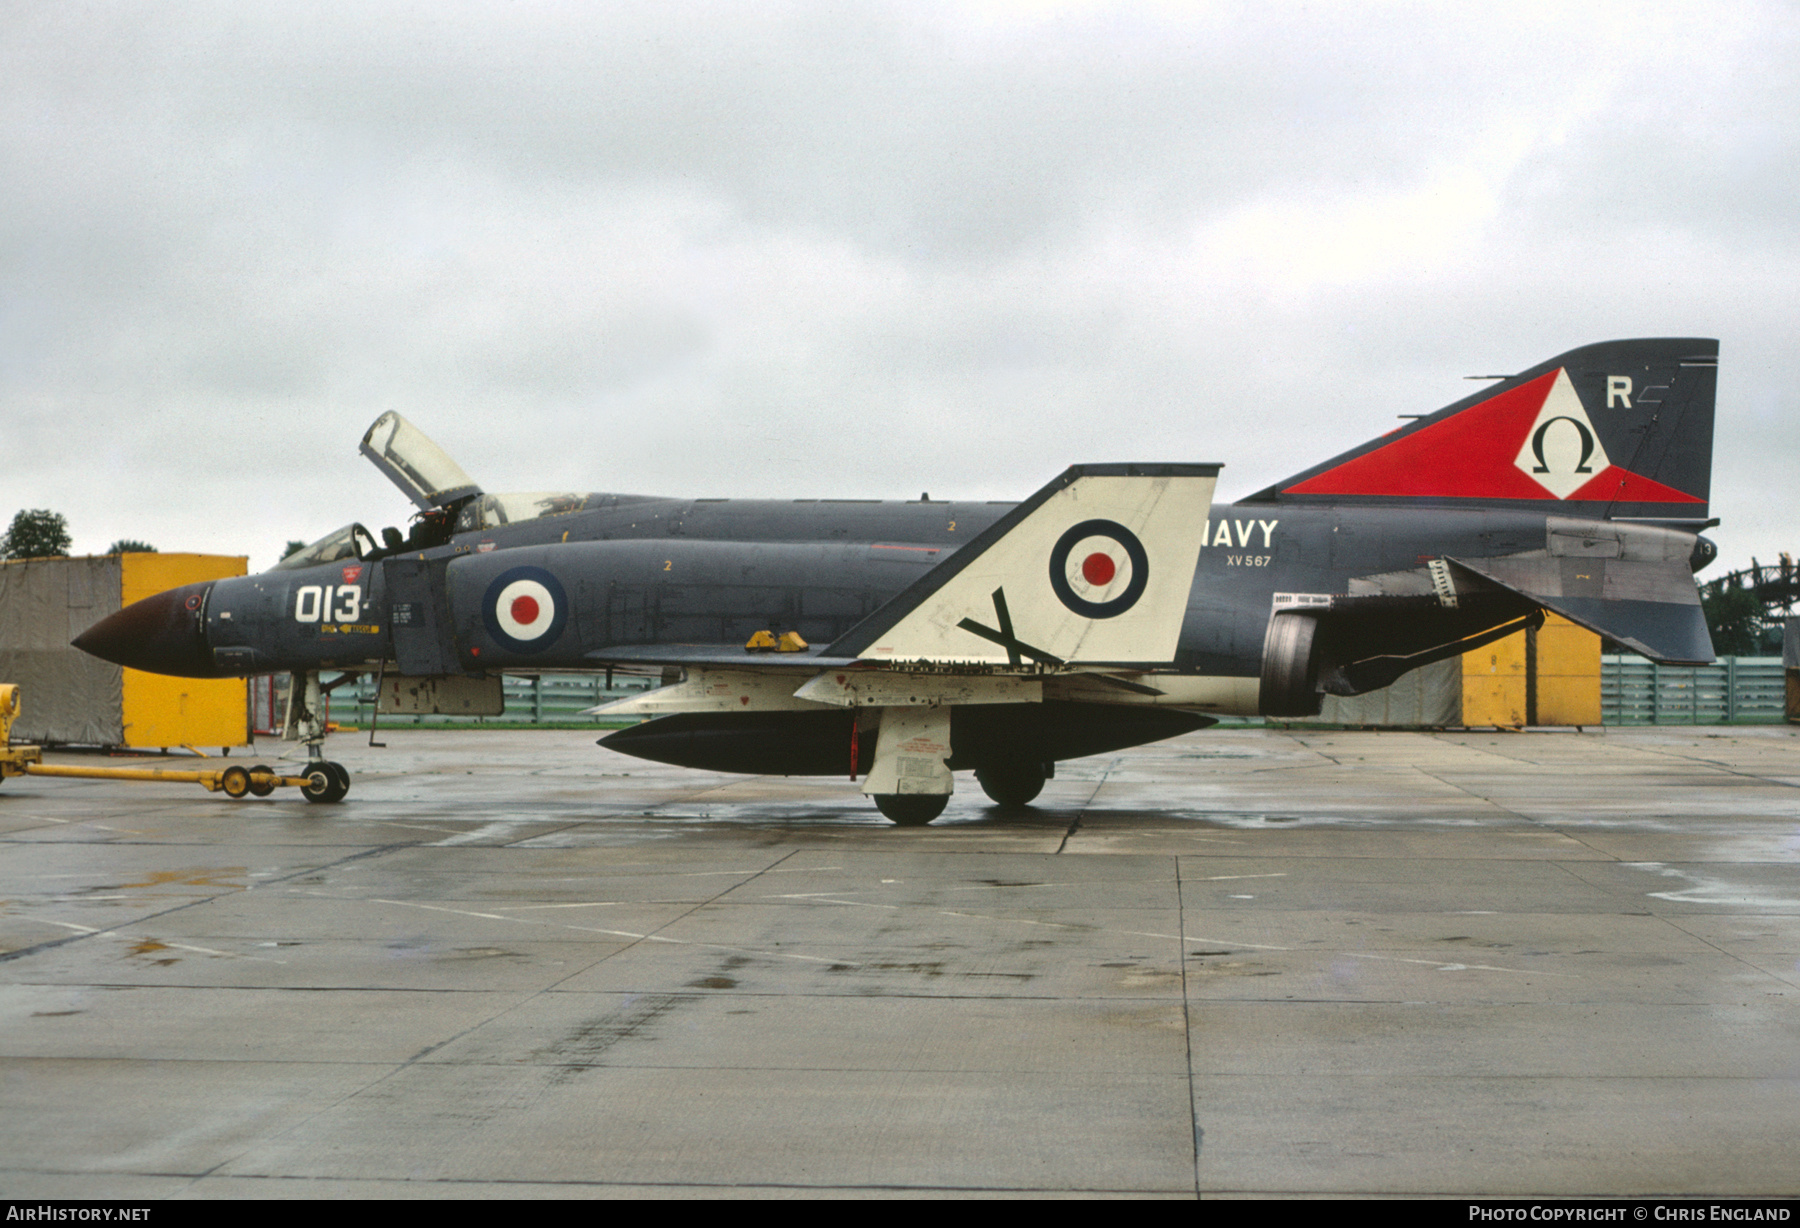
pixel 645 571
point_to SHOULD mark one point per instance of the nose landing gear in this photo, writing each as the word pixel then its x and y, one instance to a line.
pixel 325 781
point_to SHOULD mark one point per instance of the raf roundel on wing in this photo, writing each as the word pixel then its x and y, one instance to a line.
pixel 525 609
pixel 1099 569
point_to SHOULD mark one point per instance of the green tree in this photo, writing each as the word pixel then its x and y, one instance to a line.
pixel 1734 616
pixel 126 545
pixel 36 534
pixel 292 549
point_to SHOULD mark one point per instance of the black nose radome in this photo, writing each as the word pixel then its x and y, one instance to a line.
pixel 164 634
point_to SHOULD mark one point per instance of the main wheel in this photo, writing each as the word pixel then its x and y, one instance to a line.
pixel 911 809
pixel 1011 785
pixel 261 788
pixel 325 782
pixel 235 782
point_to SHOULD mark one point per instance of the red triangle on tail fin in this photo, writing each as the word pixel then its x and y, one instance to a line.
pixel 1468 455
pixel 1623 486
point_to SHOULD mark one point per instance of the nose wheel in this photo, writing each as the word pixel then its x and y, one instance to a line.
pixel 325 782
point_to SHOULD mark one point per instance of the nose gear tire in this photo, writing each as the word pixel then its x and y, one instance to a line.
pixel 325 782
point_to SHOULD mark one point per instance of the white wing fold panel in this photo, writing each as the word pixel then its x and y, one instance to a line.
pixel 1094 570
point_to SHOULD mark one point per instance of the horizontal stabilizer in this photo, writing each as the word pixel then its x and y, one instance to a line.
pixel 1648 606
pixel 1093 569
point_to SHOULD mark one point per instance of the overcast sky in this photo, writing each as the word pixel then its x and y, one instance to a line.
pixel 855 250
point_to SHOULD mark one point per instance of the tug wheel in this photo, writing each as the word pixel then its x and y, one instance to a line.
pixel 261 788
pixel 235 781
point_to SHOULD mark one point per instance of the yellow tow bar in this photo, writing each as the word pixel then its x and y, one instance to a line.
pixel 232 781
pixel 318 782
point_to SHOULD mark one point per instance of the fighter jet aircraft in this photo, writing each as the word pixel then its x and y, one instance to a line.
pixel 903 642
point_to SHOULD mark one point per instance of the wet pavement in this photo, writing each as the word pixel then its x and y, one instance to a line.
pixel 1238 963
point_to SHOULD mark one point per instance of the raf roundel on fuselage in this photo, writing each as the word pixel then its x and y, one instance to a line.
pixel 525 609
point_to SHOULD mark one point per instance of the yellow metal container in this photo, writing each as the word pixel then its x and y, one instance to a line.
pixel 162 711
pixel 1568 674
pixel 1494 684
pixel 1547 677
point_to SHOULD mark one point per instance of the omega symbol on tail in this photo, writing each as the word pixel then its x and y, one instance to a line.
pixel 1099 569
pixel 1587 444
pixel 1562 452
pixel 525 609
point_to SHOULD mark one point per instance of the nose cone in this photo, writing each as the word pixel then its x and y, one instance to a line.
pixel 164 634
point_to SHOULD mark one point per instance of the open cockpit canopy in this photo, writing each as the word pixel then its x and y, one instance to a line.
pixel 416 465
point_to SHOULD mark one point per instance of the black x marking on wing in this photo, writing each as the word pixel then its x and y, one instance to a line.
pixel 1015 647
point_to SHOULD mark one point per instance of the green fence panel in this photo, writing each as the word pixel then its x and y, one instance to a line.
pixel 1733 690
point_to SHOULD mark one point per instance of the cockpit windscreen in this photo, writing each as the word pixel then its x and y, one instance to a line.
pixel 350 542
pixel 492 511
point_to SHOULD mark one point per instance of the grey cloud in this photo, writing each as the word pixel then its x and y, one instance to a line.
pixel 893 125
pixel 794 250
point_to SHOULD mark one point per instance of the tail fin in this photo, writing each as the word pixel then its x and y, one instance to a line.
pixel 1621 429
pixel 1094 568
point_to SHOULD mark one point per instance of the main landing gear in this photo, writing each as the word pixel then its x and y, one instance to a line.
pixel 911 809
pixel 1012 786
pixel 910 779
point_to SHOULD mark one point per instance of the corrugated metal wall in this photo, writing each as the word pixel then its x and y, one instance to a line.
pixel 65 695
